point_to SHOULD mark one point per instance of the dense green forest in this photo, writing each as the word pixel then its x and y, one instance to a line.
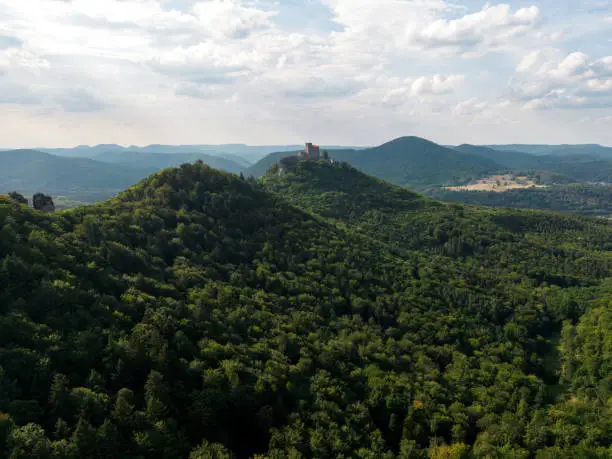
pixel 318 312
pixel 575 198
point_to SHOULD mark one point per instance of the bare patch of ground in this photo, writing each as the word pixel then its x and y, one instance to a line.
pixel 499 183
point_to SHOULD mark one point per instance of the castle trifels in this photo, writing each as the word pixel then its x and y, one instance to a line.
pixel 310 153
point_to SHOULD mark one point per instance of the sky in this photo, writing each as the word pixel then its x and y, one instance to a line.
pixel 351 72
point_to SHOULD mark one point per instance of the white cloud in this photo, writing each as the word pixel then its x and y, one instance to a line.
pixel 217 62
pixel 79 101
pixel 575 64
pixel 603 86
pixel 12 93
pixel 6 41
pixel 391 26
pixel 492 25
pixel 436 85
pixel 21 59
pixel 603 66
pixel 486 113
pixel 547 79
pixel 528 61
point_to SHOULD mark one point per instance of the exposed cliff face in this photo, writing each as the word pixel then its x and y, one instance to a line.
pixel 43 202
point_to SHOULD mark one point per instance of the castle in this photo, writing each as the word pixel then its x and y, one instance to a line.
pixel 310 153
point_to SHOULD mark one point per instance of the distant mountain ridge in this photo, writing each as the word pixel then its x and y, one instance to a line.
pixel 408 161
pixel 248 152
pixel 558 150
pixel 506 158
pixel 90 179
pixel 160 161
pixel 29 171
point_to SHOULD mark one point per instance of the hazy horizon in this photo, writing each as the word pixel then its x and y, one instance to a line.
pixel 268 145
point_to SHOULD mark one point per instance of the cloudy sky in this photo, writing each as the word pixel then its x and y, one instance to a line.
pixel 356 72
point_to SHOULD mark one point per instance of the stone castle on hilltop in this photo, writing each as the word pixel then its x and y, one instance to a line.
pixel 310 153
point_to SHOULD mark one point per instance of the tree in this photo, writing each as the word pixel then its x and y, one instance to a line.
pixel 29 442
pixel 156 396
pixel 123 411
pixel 18 197
pixel 84 438
pixel 208 450
pixel 6 426
pixel 59 394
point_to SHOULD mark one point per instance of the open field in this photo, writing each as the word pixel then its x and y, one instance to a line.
pixel 498 183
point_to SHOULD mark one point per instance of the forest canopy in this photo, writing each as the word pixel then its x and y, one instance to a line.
pixel 316 313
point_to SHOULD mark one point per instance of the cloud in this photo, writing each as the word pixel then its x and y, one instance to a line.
pixel 204 62
pixel 198 91
pixel 528 61
pixel 317 87
pixel 13 59
pixel 289 68
pixel 475 111
pixel 599 86
pixel 231 19
pixel 547 79
pixel 79 101
pixel 603 66
pixel 436 85
pixel 433 26
pixel 575 64
pixel 9 42
pixel 11 93
pixel 474 108
pixel 493 25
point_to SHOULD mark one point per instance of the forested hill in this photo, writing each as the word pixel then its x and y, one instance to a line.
pixel 419 163
pixel 30 171
pixel 411 221
pixel 201 315
pixel 408 161
pixel 340 191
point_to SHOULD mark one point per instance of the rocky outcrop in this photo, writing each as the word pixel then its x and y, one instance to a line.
pixel 43 202
pixel 18 197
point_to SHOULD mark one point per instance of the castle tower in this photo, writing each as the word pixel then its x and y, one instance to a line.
pixel 312 151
